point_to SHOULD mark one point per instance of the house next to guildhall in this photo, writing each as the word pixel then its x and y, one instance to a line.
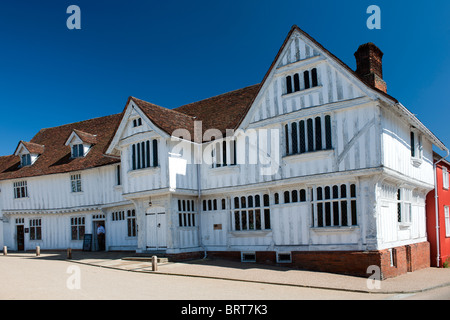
pixel 316 167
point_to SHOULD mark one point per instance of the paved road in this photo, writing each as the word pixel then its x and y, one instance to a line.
pixel 28 278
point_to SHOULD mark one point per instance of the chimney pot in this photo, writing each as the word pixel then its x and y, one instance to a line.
pixel 369 66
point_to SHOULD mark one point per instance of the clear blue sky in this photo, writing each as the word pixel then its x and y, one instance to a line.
pixel 175 52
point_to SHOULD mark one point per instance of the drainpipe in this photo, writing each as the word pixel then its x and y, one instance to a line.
pixel 436 208
pixel 199 205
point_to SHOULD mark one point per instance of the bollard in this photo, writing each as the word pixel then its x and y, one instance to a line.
pixel 5 250
pixel 69 253
pixel 38 251
pixel 154 263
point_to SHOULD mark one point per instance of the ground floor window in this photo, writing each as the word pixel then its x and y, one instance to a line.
pixel 186 213
pixel 131 223
pixel 77 227
pixel 251 212
pixel 334 206
pixel 35 229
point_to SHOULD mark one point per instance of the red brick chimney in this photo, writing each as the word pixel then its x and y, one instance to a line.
pixel 369 66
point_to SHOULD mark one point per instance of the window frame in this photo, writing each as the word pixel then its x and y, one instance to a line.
pixel 35 226
pixel 186 213
pixel 445 178
pixel 131 223
pixel 404 207
pixel 144 154
pixel 77 151
pixel 251 213
pixel 20 189
pixel 309 135
pixel 447 221
pixel 334 206
pixel 77 227
pixel 25 160
pixel 76 183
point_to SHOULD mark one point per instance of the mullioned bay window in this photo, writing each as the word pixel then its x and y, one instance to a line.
pixel 251 213
pixel 144 154
pixel 186 213
pixel 308 135
pixel 223 153
pixel 334 206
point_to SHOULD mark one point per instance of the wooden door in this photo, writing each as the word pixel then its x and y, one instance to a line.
pixel 156 231
pixel 20 238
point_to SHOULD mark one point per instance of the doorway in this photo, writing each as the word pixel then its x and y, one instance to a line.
pixel 156 230
pixel 20 238
pixel 98 241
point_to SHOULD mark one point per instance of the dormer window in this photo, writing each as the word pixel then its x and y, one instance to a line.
pixel 80 143
pixel 25 160
pixel 28 152
pixel 77 151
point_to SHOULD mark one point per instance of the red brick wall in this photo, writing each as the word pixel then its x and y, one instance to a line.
pixel 405 259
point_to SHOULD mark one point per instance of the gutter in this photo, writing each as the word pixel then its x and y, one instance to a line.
pixel 436 208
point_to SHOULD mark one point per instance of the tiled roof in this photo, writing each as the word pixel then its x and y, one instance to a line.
pixel 222 112
pixel 86 137
pixel 56 157
pixel 32 147
pixel 167 120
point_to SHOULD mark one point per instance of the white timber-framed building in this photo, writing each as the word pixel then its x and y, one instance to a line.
pixel 316 167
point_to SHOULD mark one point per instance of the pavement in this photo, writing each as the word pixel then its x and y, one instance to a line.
pixel 414 282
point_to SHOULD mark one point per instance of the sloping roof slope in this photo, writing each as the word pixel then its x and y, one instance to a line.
pixel 56 157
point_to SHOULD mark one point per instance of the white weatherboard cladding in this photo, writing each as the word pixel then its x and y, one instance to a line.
pixel 370 149
pixel 54 192
pixel 397 150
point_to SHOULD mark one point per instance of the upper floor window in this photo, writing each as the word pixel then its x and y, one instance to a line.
pixel 20 190
pixel 445 178
pixel 25 160
pixel 118 175
pixel 77 151
pixel 223 153
pixel 416 144
pixel 137 122
pixel 28 152
pixel 303 81
pixel 308 135
pixel 144 154
pixel 75 182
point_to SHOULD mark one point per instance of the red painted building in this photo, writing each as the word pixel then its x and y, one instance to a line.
pixel 439 233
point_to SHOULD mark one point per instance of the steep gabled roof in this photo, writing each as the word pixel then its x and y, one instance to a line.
pixel 167 120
